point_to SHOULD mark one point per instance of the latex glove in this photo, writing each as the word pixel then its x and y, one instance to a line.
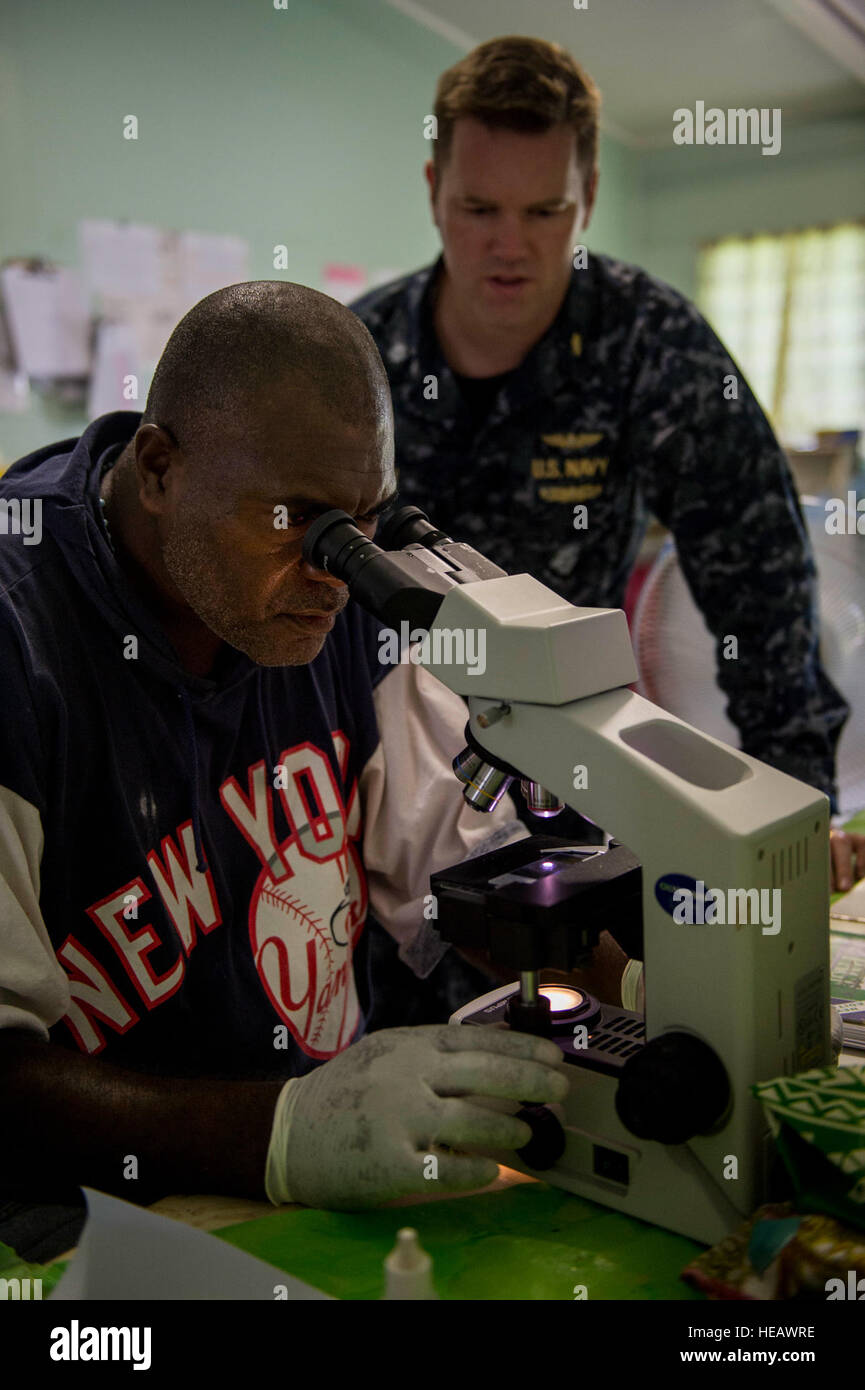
pixel 355 1132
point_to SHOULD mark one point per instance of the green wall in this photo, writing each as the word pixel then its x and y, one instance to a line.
pixel 303 127
pixel 300 126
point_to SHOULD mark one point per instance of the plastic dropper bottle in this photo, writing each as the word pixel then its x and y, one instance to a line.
pixel 408 1268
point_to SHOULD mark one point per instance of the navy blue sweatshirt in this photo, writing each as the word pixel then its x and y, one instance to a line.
pixel 187 863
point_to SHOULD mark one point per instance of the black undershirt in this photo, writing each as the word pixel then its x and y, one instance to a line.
pixel 479 393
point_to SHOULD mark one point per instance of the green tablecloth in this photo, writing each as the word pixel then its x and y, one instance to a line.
pixel 530 1241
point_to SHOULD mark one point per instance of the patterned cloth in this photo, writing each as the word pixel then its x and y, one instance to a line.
pixel 818 1120
pixel 621 408
pixel 810 1257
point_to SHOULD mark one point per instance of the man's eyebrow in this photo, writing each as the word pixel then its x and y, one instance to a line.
pixel 310 504
pixel 563 201
pixel 382 506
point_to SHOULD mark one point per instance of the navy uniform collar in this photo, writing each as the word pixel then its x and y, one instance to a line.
pixel 547 368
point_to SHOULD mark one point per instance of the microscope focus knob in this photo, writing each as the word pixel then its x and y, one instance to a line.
pixel 547 1143
pixel 674 1088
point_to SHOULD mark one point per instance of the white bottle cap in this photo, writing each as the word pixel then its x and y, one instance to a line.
pixel 408 1268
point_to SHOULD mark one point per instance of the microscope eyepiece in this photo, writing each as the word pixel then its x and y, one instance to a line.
pixel 335 544
pixel 409 580
pixel 409 526
pixel 391 586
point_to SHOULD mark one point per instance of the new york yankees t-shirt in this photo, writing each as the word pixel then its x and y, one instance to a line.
pixel 188 864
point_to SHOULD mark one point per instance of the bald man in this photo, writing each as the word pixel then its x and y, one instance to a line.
pixel 208 784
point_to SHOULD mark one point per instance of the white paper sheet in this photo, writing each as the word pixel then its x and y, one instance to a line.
pixel 121 258
pixel 14 392
pixel 14 386
pixel 209 263
pixel 49 325
pixel 116 360
pixel 851 907
pixel 127 1252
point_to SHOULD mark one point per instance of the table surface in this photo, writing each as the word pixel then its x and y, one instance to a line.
pixel 516 1239
pixel 207 1212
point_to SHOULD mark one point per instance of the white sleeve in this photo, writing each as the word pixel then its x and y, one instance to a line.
pixel 415 818
pixel 34 987
pixel 634 987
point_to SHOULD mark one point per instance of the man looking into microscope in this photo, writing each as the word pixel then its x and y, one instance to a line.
pixel 208 784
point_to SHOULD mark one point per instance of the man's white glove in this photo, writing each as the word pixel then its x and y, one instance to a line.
pixel 355 1132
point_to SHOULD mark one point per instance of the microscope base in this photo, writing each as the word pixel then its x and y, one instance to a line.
pixel 602 1161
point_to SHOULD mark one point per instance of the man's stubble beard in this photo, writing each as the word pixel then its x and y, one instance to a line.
pixel 198 576
pixel 195 575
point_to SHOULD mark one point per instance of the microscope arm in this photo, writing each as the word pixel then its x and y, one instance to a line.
pixel 683 802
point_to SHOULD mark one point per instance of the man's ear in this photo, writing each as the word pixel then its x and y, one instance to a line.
pixel 155 451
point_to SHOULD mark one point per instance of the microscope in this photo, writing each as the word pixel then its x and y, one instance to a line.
pixel 717 879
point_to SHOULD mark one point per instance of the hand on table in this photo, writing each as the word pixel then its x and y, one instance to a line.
pixel 848 859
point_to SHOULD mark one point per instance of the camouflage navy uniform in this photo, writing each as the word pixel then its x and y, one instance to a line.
pixel 621 408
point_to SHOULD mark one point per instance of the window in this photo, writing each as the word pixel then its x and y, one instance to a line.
pixel 791 311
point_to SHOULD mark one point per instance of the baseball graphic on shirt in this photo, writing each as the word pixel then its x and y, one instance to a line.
pixel 303 929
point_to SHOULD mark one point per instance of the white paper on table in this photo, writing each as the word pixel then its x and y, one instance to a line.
pixel 121 258
pixel 116 360
pixel 126 1252
pixel 49 324
pixel 851 906
pixel 209 263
